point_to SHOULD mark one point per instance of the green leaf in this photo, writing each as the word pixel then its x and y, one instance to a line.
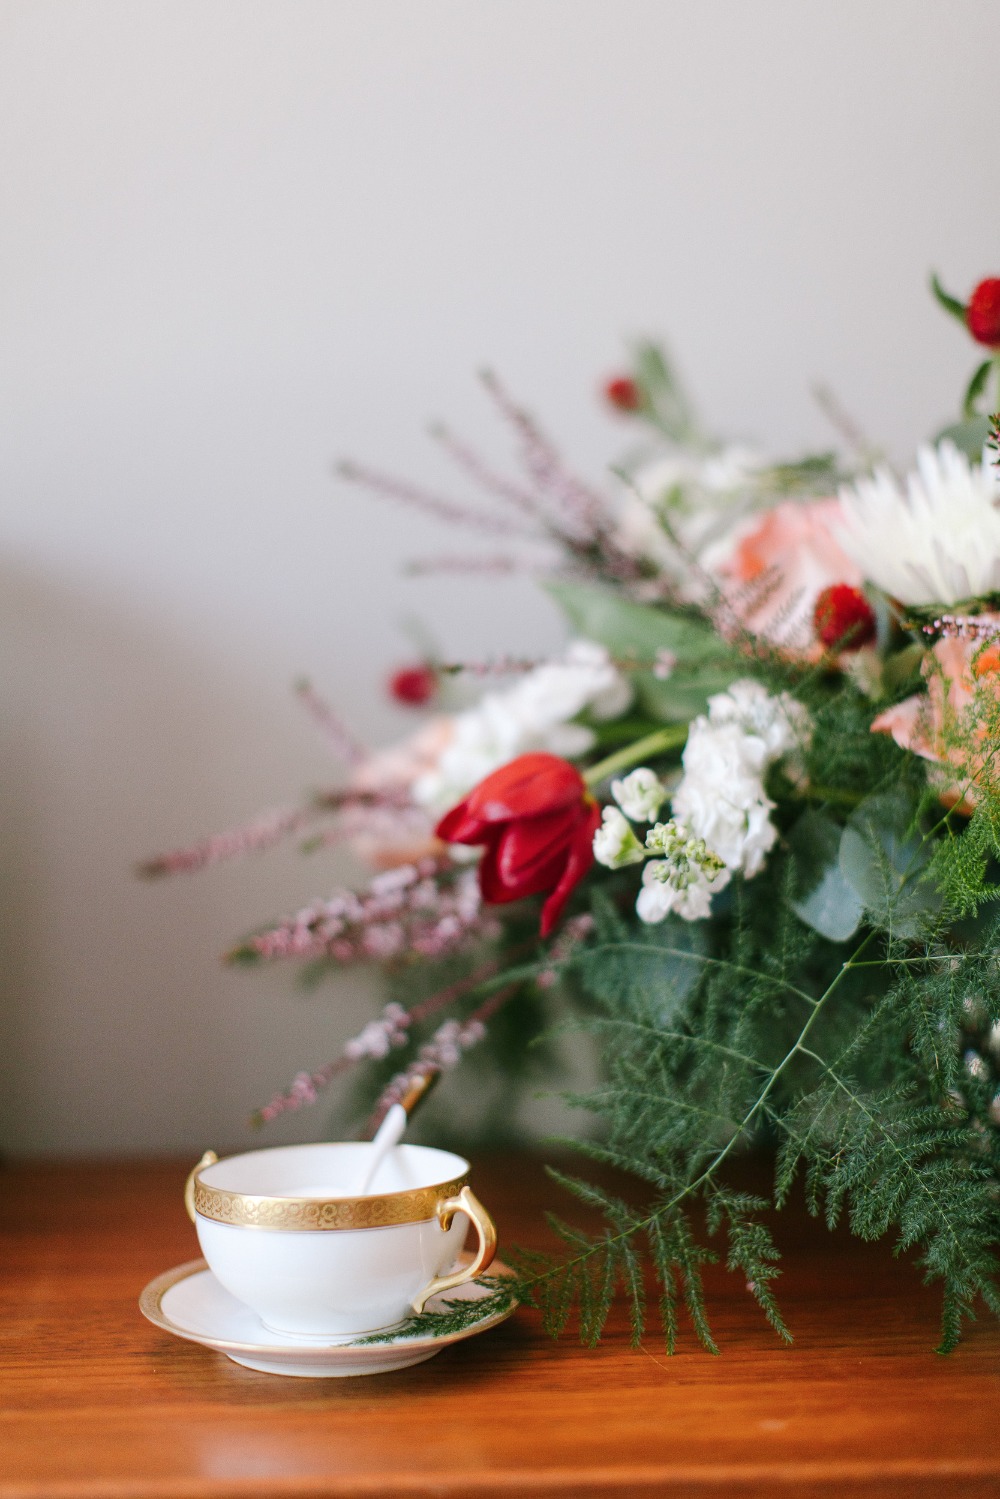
pixel 976 387
pixel 705 663
pixel 666 401
pixel 901 669
pixel 885 863
pixel 948 302
pixel 832 906
pixel 628 629
pixel 650 974
pixel 968 436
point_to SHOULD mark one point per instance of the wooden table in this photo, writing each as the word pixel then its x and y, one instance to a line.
pixel 97 1402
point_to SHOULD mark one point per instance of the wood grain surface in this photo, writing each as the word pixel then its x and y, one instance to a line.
pixel 95 1401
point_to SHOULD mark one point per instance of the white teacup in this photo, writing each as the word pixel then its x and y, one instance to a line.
pixel 284 1232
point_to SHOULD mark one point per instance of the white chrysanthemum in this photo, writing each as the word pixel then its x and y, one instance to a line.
pixel 640 794
pixel 936 543
pixel 615 844
pixel 536 713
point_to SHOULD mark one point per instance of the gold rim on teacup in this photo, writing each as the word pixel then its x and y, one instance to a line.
pixel 310 1214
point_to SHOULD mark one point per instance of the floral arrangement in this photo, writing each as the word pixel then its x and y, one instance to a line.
pixel 745 831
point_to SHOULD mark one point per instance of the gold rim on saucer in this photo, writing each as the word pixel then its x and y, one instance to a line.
pixel 310 1214
pixel 151 1306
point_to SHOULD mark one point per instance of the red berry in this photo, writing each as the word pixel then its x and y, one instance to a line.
pixel 623 393
pixel 843 618
pixel 983 313
pixel 413 685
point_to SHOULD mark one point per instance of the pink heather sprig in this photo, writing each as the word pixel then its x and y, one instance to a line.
pixel 442 509
pixel 495 566
pixel 574 931
pixel 388 1031
pixel 380 1036
pixel 580 507
pixel 962 627
pixel 252 838
pixel 357 807
pixel 661 665
pixel 384 818
pixel 443 1051
pixel 476 469
pixel 339 738
pixel 558 507
pixel 424 909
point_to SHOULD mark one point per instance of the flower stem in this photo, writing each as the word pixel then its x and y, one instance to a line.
pixel 671 737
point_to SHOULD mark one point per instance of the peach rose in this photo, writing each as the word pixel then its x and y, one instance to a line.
pixel 399 832
pixel 938 724
pixel 776 572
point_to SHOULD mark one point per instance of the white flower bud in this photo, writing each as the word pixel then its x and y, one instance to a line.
pixel 640 795
pixel 662 893
pixel 615 844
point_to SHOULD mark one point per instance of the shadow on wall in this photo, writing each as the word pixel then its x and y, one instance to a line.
pixel 120 1030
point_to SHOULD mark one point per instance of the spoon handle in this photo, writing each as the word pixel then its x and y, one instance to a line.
pixel 390 1131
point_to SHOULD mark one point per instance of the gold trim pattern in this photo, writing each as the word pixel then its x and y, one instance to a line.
pixel 309 1214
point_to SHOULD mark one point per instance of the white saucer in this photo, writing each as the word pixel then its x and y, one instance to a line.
pixel 189 1302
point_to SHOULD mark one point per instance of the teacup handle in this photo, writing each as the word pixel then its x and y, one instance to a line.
pixel 466 1202
pixel 208 1159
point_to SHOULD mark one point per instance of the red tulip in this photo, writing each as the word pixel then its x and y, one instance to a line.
pixel 537 821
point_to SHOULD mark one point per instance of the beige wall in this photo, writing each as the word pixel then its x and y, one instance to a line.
pixel 242 239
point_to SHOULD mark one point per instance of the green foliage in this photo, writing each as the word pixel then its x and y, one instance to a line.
pixel 635 633
pixel 976 387
pixel 825 1011
pixel 829 902
pixel 951 305
pixel 896 1164
pixel 455 1316
pixel 969 435
pixel 665 403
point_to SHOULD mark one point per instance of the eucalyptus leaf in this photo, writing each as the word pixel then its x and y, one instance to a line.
pixel 901 669
pixel 885 862
pixel 705 664
pixel 968 436
pixel 830 905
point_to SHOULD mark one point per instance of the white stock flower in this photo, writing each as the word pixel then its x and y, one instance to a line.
pixel 615 844
pixel 723 753
pixel 721 797
pixel 659 895
pixel 732 818
pixel 781 723
pixel 701 499
pixel 937 542
pixel 534 714
pixel 640 794
pixel 559 690
pixel 721 813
